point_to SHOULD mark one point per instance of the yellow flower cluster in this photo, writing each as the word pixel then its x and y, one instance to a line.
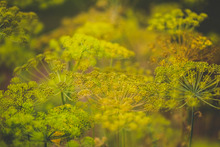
pixel 127 121
pixel 191 47
pixel 179 42
pixel 200 42
pixel 85 50
pixel 119 99
pixel 190 83
pixel 99 30
pixel 115 51
pixel 51 74
pixel 176 22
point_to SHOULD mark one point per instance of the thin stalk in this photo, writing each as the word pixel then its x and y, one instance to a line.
pixel 45 138
pixel 45 144
pixel 130 138
pixel 111 62
pixel 154 141
pixel 62 98
pixel 191 132
pixel 123 138
pixel 80 58
pixel 44 67
pixel 107 135
pixel 181 123
pixel 70 65
pixel 117 136
pixel 29 141
pixel 93 132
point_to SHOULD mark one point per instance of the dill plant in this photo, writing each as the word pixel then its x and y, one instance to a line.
pixel 55 81
pixel 108 32
pixel 16 28
pixel 54 73
pixel 12 21
pixel 62 68
pixel 96 22
pixel 178 39
pixel 114 94
pixel 88 50
pixel 119 101
pixel 62 72
pixel 189 84
pixel 21 125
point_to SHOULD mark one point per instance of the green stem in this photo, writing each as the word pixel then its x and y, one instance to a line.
pixel 117 138
pixel 130 138
pixel 123 139
pixel 70 66
pixel 93 132
pixel 80 58
pixel 191 132
pixel 29 141
pixel 45 144
pixel 182 122
pixel 154 141
pixel 111 61
pixel 62 98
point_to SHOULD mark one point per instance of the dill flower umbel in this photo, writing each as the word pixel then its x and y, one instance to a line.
pixel 117 97
pixel 177 22
pixel 51 74
pixel 190 83
pixel 17 28
pixel 61 122
pixel 178 39
pixel 86 50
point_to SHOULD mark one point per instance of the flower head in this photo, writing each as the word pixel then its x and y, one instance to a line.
pixel 118 98
pixel 190 82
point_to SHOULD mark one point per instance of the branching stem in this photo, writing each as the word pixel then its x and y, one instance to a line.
pixel 62 98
